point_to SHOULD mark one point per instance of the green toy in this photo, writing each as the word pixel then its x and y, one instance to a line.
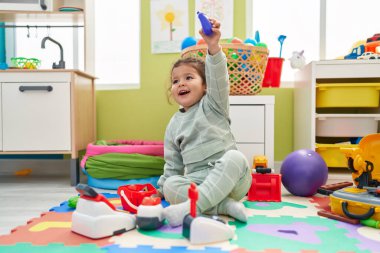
pixel 72 202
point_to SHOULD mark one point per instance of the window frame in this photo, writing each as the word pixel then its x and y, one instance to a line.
pixel 322 31
pixel 121 85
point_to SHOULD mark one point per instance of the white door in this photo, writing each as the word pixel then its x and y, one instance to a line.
pixel 36 116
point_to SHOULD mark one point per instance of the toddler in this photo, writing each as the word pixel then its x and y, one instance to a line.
pixel 199 146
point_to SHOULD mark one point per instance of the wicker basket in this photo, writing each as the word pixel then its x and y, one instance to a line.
pixel 246 65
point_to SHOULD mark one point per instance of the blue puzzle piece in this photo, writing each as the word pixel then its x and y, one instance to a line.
pixel 146 249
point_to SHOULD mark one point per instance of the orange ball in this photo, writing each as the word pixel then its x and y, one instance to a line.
pixel 201 42
pixel 236 40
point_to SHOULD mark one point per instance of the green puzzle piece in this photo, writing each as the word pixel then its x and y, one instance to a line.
pixel 270 205
pixel 52 247
pixel 292 234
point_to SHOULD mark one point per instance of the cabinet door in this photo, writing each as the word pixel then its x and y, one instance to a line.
pixel 248 123
pixel 251 150
pixel 36 116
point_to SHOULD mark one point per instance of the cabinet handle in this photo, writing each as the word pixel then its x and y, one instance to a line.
pixel 26 88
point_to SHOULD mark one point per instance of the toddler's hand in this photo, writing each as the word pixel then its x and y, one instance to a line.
pixel 158 195
pixel 213 39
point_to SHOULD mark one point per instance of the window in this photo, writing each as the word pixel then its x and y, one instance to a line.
pixel 28 44
pixel 117 44
pixel 360 22
pixel 116 38
pixel 324 29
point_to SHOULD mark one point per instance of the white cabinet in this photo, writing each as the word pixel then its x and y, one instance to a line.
pixel 47 112
pixel 333 100
pixel 252 123
pixel 36 116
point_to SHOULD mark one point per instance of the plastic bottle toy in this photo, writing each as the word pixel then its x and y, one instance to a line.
pixel 96 217
pixel 203 229
pixel 206 24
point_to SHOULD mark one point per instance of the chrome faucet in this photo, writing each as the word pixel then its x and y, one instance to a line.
pixel 61 64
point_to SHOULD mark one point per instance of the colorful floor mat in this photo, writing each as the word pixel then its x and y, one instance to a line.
pixel 273 227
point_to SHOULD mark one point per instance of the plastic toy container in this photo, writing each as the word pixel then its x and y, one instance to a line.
pixel 25 63
pixel 246 65
pixel 332 155
pixel 346 125
pixel 355 203
pixel 272 76
pixel 132 195
pixel 348 95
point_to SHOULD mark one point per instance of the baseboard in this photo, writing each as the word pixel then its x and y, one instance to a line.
pixel 38 167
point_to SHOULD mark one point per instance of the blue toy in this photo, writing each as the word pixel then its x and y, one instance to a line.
pixel 355 53
pixel 206 24
pixel 257 38
pixel 250 41
pixel 281 39
pixel 188 42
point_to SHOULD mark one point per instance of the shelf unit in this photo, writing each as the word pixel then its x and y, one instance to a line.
pixel 252 123
pixel 356 73
pixel 60 120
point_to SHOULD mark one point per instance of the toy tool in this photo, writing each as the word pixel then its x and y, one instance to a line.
pixel 364 161
pixel 150 214
pixel 96 217
pixel 266 186
pixel 205 22
pixel 203 229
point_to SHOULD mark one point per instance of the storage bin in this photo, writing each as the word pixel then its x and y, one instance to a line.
pixel 346 125
pixel 347 95
pixel 246 65
pixel 332 155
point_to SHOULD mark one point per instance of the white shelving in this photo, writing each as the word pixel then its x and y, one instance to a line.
pixel 353 73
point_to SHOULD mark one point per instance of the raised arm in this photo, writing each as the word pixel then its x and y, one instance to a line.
pixel 216 71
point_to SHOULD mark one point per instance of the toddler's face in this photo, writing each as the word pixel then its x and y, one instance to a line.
pixel 187 86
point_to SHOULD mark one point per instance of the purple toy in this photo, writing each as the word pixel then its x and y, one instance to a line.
pixel 206 24
pixel 303 172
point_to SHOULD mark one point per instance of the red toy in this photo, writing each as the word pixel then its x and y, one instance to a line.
pixel 132 195
pixel 265 185
pixel 193 196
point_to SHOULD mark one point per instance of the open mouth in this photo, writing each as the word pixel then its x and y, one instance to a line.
pixel 183 92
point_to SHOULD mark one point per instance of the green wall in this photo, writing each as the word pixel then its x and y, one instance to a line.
pixel 144 113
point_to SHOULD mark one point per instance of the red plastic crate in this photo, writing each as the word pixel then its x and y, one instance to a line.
pixel 265 187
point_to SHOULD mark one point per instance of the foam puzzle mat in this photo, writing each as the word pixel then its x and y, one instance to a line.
pixel 273 227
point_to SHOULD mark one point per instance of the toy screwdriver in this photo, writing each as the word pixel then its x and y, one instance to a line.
pixel 193 196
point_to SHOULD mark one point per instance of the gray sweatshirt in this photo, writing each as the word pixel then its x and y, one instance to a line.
pixel 195 139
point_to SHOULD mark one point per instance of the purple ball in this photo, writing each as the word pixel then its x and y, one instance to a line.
pixel 303 172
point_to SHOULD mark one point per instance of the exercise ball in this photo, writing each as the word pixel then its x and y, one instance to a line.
pixel 303 172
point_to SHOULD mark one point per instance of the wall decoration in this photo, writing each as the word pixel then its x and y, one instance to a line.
pixel 221 10
pixel 169 25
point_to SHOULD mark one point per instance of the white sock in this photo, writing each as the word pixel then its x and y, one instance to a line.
pixel 174 214
pixel 233 208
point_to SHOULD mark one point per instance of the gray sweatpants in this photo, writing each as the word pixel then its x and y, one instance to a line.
pixel 230 176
